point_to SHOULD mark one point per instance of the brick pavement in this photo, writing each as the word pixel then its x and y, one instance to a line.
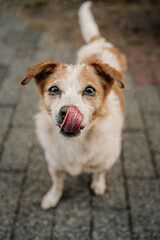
pixel 130 209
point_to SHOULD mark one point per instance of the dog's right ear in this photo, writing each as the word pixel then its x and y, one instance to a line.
pixel 40 72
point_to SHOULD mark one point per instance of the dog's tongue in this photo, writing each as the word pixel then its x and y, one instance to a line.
pixel 73 120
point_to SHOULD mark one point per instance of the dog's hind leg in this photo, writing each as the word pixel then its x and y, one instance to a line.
pixel 54 194
pixel 98 184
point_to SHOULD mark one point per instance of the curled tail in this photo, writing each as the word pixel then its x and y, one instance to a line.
pixel 89 28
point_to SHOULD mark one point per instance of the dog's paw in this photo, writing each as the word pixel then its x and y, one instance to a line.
pixel 49 200
pixel 98 189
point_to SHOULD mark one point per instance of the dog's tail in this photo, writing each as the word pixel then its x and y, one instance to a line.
pixel 87 23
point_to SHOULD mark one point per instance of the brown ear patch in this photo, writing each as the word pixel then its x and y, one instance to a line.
pixel 106 72
pixel 40 71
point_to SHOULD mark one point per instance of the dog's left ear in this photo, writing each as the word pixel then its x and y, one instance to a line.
pixel 40 71
pixel 108 74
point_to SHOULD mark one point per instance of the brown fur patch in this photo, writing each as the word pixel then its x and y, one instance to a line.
pixel 97 37
pixel 35 71
pixel 120 57
pixel 104 70
pixel 119 94
pixel 89 78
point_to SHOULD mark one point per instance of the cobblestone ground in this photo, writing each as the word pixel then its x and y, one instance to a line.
pixel 130 209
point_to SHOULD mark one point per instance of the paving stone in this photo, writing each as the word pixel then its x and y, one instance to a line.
pixel 72 215
pixel 110 224
pixel 9 192
pixel 7 53
pixel 136 155
pixel 5 115
pixel 149 98
pixel 157 160
pixel 27 107
pixel 9 92
pixel 17 147
pixel 6 21
pixel 132 113
pixel 144 200
pixel 44 49
pixel 28 43
pixel 153 129
pixel 33 222
pixel 13 37
pixel 3 72
pixel 63 52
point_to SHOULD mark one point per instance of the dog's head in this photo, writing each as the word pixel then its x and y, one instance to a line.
pixel 73 95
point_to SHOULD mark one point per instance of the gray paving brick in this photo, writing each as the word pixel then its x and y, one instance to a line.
pixel 33 222
pixel 149 98
pixel 109 211
pixel 110 224
pixel 10 88
pixel 15 154
pixel 7 53
pixel 144 199
pixel 64 52
pixel 27 107
pixel 13 37
pixel 72 216
pixel 3 72
pixel 153 129
pixel 6 21
pixel 44 49
pixel 9 192
pixel 5 115
pixel 132 113
pixel 9 91
pixel 136 155
pixel 157 160
pixel 28 43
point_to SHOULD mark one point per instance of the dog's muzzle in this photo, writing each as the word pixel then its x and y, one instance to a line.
pixel 70 119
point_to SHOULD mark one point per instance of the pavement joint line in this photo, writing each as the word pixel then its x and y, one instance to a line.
pixel 150 113
pixel 2 145
pixel 17 171
pixel 91 221
pixel 4 74
pixel 143 178
pixel 7 105
pixel 52 225
pixel 126 193
pixel 132 130
pixel 20 195
pixel 154 165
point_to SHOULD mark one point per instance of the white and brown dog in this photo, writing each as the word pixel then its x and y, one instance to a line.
pixel 80 122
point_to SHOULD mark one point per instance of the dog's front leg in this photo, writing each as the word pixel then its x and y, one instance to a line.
pixel 98 184
pixel 54 194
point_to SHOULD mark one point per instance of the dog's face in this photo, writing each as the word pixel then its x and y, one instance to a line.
pixel 73 95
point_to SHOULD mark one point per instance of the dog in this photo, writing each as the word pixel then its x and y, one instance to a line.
pixel 81 111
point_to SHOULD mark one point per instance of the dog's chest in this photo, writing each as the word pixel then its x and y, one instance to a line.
pixel 76 157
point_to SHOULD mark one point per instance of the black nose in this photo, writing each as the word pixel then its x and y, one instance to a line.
pixel 63 111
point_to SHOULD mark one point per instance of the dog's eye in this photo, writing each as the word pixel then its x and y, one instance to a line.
pixel 54 90
pixel 89 91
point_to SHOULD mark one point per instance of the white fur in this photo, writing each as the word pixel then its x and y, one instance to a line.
pixel 99 152
pixel 100 47
pixel 88 25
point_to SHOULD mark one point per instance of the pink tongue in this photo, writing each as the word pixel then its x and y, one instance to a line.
pixel 73 120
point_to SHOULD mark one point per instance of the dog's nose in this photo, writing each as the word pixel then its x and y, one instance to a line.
pixel 63 112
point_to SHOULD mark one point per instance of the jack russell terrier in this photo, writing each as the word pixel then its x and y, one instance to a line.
pixel 82 110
